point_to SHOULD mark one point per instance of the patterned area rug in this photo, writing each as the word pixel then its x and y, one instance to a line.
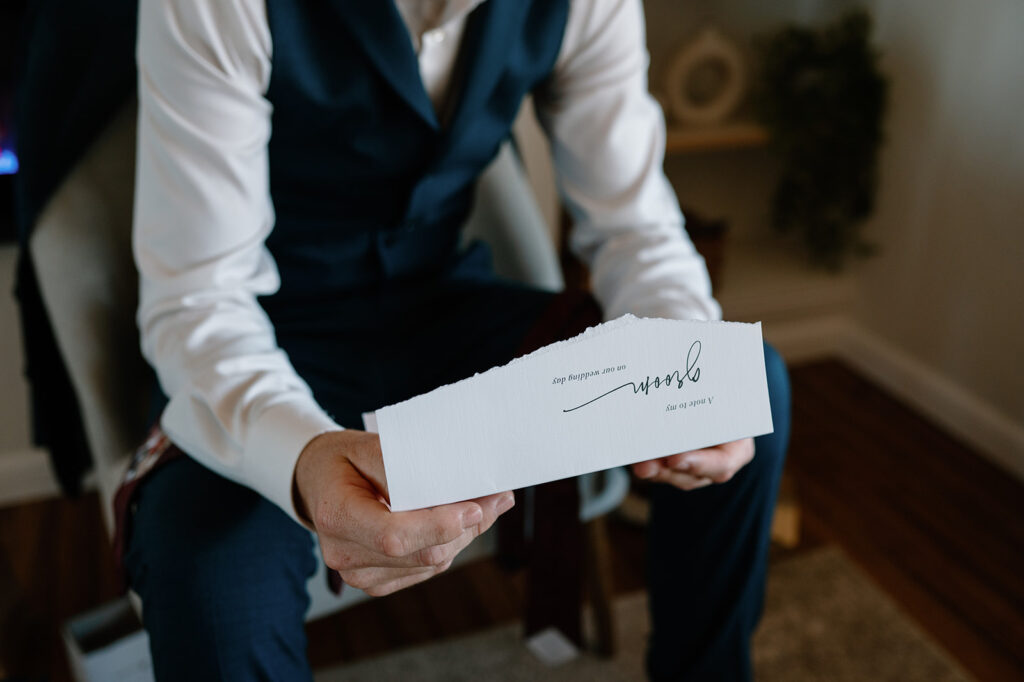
pixel 824 620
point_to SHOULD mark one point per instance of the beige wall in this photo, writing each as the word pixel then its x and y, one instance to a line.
pixel 948 286
pixel 939 316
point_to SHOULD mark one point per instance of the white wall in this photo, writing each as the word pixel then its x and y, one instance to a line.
pixel 948 286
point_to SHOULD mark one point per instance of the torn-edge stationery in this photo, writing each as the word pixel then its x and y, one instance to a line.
pixel 622 392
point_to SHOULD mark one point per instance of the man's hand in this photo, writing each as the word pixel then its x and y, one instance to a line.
pixel 340 488
pixel 698 468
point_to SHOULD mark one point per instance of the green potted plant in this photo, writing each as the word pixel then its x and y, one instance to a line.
pixel 822 97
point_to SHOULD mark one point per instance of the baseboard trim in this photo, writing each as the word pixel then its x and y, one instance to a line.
pixel 806 340
pixel 962 413
pixel 26 476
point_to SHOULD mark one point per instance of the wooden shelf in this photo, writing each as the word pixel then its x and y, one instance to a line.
pixel 684 140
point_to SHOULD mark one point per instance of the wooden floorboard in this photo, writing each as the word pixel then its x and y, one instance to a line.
pixel 939 528
pixel 936 526
pixel 54 563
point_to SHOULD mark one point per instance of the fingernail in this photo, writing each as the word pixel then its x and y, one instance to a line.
pixel 472 517
pixel 507 501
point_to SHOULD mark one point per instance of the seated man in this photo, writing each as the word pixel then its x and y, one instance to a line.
pixel 304 169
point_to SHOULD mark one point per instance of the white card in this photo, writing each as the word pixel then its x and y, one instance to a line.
pixel 625 391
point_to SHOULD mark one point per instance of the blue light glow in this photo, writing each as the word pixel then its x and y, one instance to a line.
pixel 8 162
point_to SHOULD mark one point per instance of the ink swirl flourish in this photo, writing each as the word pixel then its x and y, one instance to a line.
pixel 691 374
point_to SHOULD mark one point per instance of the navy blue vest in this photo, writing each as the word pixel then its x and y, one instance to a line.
pixel 368 186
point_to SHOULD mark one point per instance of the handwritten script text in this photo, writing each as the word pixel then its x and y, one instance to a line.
pixel 675 378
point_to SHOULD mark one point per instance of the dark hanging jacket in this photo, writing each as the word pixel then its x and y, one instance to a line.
pixel 77 68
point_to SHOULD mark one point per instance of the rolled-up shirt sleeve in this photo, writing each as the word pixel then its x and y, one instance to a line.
pixel 202 214
pixel 607 137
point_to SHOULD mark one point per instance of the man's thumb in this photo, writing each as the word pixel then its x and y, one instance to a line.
pixel 367 459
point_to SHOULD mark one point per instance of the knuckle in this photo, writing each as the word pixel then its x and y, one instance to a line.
pixel 442 567
pixel 357 580
pixel 389 543
pixel 431 556
pixel 333 559
pixel 449 529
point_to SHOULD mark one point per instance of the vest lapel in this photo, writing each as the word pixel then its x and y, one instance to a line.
pixel 378 27
pixel 490 33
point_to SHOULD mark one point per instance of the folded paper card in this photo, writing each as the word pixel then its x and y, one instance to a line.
pixel 622 392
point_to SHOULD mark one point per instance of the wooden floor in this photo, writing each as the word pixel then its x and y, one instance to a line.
pixel 940 529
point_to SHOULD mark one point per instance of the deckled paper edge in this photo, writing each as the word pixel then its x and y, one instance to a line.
pixel 370 418
pixel 587 334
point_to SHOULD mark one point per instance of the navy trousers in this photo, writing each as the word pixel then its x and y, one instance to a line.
pixel 222 572
pixel 707 558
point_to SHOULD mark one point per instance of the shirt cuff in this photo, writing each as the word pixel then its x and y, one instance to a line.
pixel 275 442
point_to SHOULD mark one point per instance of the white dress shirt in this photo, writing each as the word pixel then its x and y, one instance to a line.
pixel 203 210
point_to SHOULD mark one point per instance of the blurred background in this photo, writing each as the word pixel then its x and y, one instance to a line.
pixel 896 295
pixel 14 428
